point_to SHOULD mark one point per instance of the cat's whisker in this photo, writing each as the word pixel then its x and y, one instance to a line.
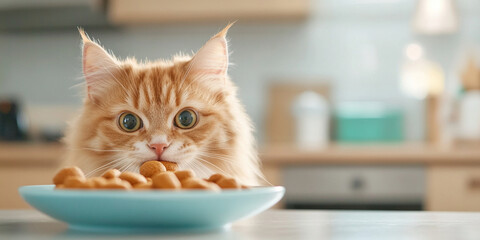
pixel 113 161
pixel 113 166
pixel 219 157
pixel 127 166
pixel 195 167
pixel 80 84
pixel 134 167
pixel 106 150
pixel 212 155
pixel 256 173
pixel 222 158
pixel 122 168
pixel 104 166
pixel 231 166
pixel 217 148
pixel 99 150
pixel 264 179
pixel 209 154
pixel 190 166
pixel 213 165
pixel 204 171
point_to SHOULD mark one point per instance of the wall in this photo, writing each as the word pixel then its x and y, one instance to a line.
pixel 355 45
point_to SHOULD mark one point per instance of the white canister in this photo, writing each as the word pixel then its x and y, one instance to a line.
pixel 468 127
pixel 311 114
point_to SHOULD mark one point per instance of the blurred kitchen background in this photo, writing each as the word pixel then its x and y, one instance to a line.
pixel 357 104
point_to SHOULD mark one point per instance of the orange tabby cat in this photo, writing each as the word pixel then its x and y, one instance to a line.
pixel 184 110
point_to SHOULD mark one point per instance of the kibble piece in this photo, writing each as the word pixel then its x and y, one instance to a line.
pixel 184 174
pixel 215 177
pixel 133 178
pixel 150 168
pixel 112 173
pixel 166 180
pixel 97 182
pixel 197 183
pixel 214 187
pixel 67 172
pixel 228 183
pixel 194 183
pixel 245 187
pixel 87 185
pixel 117 183
pixel 60 186
pixel 147 185
pixel 170 166
pixel 74 182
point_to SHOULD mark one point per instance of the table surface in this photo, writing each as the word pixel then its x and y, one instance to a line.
pixel 275 224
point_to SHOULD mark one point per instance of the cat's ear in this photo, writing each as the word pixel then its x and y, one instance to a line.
pixel 98 66
pixel 212 58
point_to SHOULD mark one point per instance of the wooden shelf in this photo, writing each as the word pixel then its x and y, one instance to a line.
pixel 370 154
pixel 161 11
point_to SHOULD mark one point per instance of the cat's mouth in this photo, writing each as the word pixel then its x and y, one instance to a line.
pixel 160 160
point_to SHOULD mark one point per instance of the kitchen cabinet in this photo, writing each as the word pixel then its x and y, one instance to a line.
pixel 453 188
pixel 448 179
pixel 26 164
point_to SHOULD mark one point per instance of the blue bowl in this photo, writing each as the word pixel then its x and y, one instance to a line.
pixel 117 210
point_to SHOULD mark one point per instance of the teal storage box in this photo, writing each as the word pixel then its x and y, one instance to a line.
pixel 368 122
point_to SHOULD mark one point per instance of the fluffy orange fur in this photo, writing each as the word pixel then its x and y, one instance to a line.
pixel 221 141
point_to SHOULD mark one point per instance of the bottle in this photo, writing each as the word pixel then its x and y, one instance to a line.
pixel 311 113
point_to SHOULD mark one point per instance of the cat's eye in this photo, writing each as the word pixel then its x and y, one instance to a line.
pixel 186 118
pixel 129 122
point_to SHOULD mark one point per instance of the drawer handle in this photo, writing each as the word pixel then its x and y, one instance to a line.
pixel 474 183
pixel 357 183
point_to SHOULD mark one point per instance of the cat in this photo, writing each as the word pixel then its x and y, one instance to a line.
pixel 183 110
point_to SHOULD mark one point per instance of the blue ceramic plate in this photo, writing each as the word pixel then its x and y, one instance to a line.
pixel 117 210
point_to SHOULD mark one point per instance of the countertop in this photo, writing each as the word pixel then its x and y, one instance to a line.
pixel 28 154
pixel 276 224
pixel 405 153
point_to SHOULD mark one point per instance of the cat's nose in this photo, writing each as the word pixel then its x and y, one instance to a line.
pixel 158 148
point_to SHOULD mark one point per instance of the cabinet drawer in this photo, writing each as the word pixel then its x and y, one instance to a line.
pixel 13 177
pixel 453 188
pixel 355 184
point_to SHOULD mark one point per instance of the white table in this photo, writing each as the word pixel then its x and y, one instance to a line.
pixel 275 224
